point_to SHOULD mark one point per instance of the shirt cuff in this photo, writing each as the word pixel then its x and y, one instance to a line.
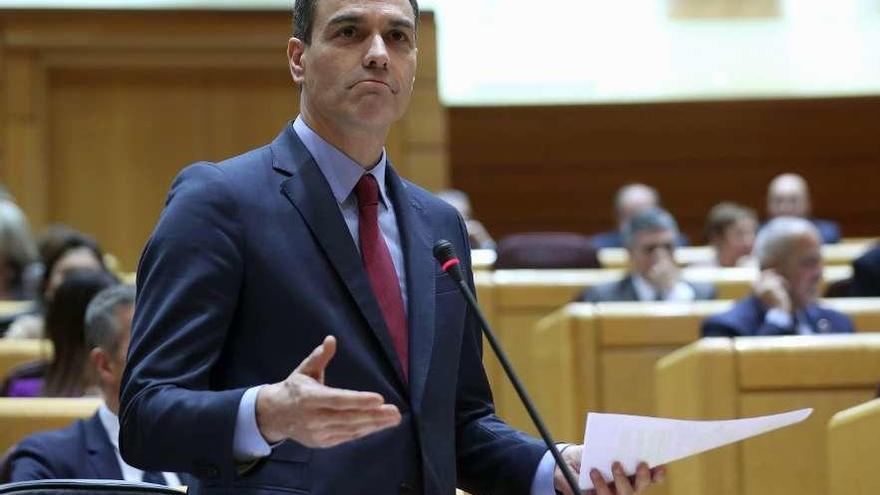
pixel 248 443
pixel 681 292
pixel 543 483
pixel 778 318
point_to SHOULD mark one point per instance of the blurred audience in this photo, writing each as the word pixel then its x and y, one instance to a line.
pixel 18 253
pixel 783 301
pixel 89 449
pixel 650 237
pixel 62 249
pixel 630 200
pixel 478 235
pixel 67 373
pixel 866 274
pixel 788 195
pixel 730 230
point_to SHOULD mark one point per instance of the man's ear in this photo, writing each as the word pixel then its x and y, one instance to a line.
pixel 102 361
pixel 295 50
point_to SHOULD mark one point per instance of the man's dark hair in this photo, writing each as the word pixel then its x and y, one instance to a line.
pixel 304 18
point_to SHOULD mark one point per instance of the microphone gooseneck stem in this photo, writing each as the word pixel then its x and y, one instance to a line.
pixel 517 384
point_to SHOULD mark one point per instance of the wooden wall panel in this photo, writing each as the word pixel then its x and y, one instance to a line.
pixel 102 109
pixel 119 139
pixel 557 168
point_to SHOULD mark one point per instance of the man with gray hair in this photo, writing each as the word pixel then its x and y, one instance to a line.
pixel 783 301
pixel 650 238
pixel 89 449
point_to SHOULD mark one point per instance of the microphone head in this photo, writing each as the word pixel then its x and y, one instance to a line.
pixel 444 251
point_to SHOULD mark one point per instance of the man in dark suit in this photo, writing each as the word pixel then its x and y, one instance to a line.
pixel 87 449
pixel 783 301
pixel 649 237
pixel 630 200
pixel 788 195
pixel 311 250
pixel 866 274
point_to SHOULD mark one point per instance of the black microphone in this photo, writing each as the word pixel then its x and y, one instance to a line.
pixel 444 252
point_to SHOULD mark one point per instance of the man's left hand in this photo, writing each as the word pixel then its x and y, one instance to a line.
pixel 622 484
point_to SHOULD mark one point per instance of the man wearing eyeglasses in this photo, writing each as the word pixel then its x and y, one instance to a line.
pixel 650 238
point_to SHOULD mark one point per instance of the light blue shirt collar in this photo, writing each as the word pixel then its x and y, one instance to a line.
pixel 341 172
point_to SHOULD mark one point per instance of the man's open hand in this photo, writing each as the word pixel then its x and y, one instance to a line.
pixel 302 408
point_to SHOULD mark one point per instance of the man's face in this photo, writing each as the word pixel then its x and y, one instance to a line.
pixel 649 247
pixel 802 270
pixel 787 198
pixel 738 239
pixel 357 74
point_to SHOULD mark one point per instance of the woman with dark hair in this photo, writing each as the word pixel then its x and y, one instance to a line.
pixel 67 374
pixel 63 249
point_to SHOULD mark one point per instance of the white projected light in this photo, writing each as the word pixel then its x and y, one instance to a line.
pixel 495 52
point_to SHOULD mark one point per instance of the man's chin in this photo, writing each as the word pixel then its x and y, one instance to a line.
pixel 375 115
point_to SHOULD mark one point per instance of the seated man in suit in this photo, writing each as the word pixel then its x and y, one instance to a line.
pixel 650 240
pixel 788 195
pixel 866 274
pixel 630 200
pixel 783 301
pixel 88 449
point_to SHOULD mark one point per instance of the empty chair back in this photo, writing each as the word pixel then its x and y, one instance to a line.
pixel 546 250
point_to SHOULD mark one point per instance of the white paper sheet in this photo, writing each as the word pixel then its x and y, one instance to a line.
pixel 655 441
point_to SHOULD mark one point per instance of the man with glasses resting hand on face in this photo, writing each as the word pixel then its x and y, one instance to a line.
pixel 650 239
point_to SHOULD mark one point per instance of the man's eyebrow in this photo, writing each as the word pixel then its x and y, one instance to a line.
pixel 402 22
pixel 399 22
pixel 345 18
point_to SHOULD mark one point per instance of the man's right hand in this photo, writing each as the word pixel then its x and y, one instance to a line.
pixel 772 289
pixel 302 408
pixel 663 274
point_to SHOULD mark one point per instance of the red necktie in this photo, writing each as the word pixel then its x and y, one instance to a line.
pixel 380 268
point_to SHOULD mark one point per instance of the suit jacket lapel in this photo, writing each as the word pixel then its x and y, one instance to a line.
pixel 814 319
pixel 310 193
pixel 101 453
pixel 628 289
pixel 419 260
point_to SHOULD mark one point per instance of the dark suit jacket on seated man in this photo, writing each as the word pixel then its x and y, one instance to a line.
pixel 233 374
pixel 784 297
pixel 88 449
pixel 866 274
pixel 650 240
